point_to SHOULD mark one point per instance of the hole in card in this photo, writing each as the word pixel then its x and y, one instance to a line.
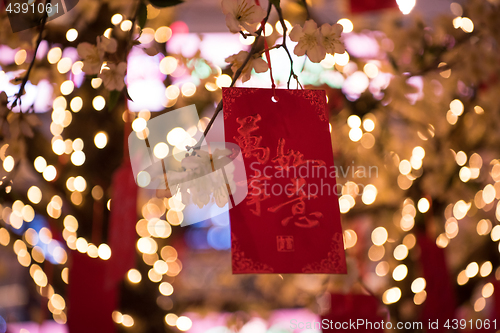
pixel 275 99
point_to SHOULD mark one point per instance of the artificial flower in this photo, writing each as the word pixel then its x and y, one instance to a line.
pixel 106 45
pixel 256 62
pixel 242 14
pixel 113 76
pixel 90 57
pixel 330 37
pixel 309 40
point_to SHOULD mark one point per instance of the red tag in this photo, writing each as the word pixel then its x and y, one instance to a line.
pixel 91 301
pixel 362 6
pixel 290 220
pixel 353 313
pixel 123 218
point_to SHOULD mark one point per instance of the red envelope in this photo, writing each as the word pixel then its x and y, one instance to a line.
pixel 290 220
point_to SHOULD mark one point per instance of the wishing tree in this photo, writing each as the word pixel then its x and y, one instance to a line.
pixel 413 108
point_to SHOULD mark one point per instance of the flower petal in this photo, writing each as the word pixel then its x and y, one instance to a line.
pixel 317 53
pixel 296 33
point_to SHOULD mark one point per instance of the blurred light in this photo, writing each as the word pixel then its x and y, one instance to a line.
pixel 127 320
pixel 400 252
pixel 479 304
pixel 71 35
pixel 350 238
pixel 346 24
pixel 420 297
pixel 96 82
pixel 97 192
pixel 379 236
pixel 64 65
pixel 98 103
pixel 382 268
pixel 67 87
pixel 483 227
pixel 467 25
pixel 279 27
pixel 101 140
pixel 423 205
pixel 371 70
pixel 163 34
pixel 54 55
pixel 168 65
pixel 391 295
pixel 184 323
pixel 172 92
pixel 126 25
pixel 134 275
pixel 400 272
pixel 418 285
pixel 369 194
pixel 166 288
pixel 461 158
pixel 341 59
pixel 462 278
pixel 78 157
pixel 139 124
pixel 116 19
pixel 472 270
pixel 457 107
pixel 486 269
pixel 354 121
pixel 40 164
pixel 188 89
pixel 8 163
pixel 355 134
pixel 49 173
pixel 223 80
pixel 406 6
pixel 161 150
pixel 34 194
pixel 487 290
pixel 171 319
pixel 104 251
pixel 76 104
pixel 405 167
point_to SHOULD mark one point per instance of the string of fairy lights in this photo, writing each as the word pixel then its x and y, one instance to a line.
pixel 160 215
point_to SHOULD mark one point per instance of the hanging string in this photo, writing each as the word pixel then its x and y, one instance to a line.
pixel 268 56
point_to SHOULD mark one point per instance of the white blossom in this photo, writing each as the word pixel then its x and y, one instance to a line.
pixel 330 38
pixel 309 40
pixel 257 63
pixel 242 14
pixel 113 76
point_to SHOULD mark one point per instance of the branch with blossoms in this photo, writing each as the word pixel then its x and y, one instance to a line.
pixel 243 16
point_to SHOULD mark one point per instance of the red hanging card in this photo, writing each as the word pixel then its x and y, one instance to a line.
pixel 362 312
pixel 290 220
pixel 362 6
pixel 91 300
pixel 123 218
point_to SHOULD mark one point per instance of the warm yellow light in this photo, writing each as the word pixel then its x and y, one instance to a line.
pixel 104 251
pixel 423 205
pixel 78 157
pixel 223 80
pixel 99 103
pixel 166 289
pixel 391 295
pixel 379 236
pixel 418 285
pixel 71 35
pixel 472 270
pixel 163 34
pixel 346 24
pixel 101 140
pixel 54 55
pixel 184 323
pixel 134 275
pixel 49 173
pixel 116 19
pixel 8 163
pixel 168 65
pixel 188 89
pixel 67 87
pixel 76 104
pixel 161 150
pixel 400 272
pixel 126 25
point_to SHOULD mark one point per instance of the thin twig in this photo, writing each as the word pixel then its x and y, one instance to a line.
pixel 283 25
pixel 253 50
pixel 308 14
pixel 26 77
